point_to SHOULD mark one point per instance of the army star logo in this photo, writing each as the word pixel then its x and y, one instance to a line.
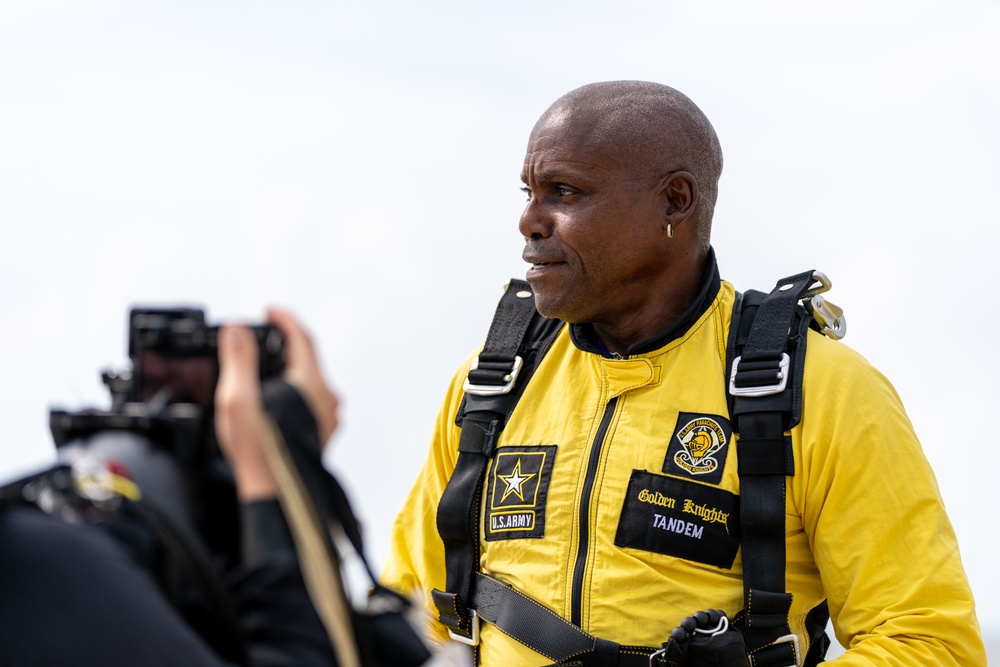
pixel 518 488
pixel 514 482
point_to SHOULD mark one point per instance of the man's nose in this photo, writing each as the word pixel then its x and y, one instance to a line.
pixel 534 223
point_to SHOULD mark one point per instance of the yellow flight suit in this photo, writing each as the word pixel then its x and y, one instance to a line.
pixel 613 501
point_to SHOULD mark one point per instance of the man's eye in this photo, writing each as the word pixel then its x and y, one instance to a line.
pixel 527 191
pixel 564 190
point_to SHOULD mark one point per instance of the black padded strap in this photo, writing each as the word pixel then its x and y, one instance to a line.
pixel 523 619
pixel 770 329
pixel 545 632
pixel 762 501
pixel 765 459
pixel 517 332
pixel 770 643
pixel 506 336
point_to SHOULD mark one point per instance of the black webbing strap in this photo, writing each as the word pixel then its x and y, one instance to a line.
pixel 763 390
pixel 545 632
pixel 516 341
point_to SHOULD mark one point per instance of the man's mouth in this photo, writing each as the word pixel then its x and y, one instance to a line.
pixel 539 260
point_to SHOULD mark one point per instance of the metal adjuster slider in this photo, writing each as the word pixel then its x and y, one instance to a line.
pixel 760 390
pixel 473 638
pixel 489 389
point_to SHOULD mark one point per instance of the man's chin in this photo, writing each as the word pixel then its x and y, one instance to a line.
pixel 553 306
pixel 552 298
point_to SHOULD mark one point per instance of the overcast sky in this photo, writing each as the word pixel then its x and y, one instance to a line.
pixel 358 163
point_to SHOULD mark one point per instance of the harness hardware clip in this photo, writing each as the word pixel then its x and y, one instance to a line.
pixel 824 285
pixel 493 390
pixel 829 317
pixel 760 390
pixel 473 638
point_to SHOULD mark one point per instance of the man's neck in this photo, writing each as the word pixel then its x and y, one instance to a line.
pixel 618 337
pixel 674 307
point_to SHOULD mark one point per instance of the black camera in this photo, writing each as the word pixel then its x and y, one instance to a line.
pixel 160 425
pixel 173 337
pixel 147 472
pixel 157 441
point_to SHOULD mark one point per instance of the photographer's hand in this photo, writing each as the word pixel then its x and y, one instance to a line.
pixel 302 372
pixel 240 420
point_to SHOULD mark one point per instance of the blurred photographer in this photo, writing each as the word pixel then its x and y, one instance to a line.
pixel 85 593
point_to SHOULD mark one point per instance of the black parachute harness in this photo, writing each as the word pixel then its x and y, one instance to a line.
pixel 765 358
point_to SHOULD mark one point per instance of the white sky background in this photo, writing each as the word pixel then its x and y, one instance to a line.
pixel 359 164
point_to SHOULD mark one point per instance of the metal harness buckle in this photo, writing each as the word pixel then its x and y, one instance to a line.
pixel 490 389
pixel 473 639
pixel 765 390
pixel 828 316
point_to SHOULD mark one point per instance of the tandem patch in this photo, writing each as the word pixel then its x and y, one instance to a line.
pixel 518 489
pixel 677 517
pixel 698 447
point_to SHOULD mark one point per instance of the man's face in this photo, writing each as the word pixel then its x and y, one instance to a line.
pixel 594 230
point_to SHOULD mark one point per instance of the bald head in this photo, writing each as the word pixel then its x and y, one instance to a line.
pixel 652 127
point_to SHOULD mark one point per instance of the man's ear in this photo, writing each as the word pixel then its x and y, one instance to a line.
pixel 679 194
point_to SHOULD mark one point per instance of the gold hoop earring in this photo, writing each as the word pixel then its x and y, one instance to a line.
pixel 670 230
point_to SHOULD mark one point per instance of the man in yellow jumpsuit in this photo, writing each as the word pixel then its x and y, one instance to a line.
pixel 610 500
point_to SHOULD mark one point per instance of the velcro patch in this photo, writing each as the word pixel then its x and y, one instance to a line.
pixel 676 517
pixel 518 489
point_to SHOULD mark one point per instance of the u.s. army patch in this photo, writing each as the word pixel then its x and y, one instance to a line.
pixel 518 489
pixel 698 447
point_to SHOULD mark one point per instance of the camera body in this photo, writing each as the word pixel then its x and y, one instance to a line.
pixel 160 426
pixel 176 335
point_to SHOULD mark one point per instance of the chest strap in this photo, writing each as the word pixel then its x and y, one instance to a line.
pixel 516 342
pixel 545 632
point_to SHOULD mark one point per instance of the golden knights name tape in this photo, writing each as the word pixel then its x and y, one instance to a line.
pixel 706 513
pixel 673 516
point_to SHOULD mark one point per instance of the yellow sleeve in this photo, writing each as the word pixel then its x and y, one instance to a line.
pixel 881 539
pixel 415 563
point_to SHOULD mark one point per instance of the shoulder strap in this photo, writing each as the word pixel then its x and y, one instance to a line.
pixel 517 340
pixel 767 347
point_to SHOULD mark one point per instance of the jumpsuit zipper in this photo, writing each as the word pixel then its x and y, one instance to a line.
pixel 576 609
